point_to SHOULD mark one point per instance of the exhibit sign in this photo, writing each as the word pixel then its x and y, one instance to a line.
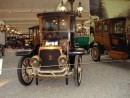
pixel 1 62
pixel 2 38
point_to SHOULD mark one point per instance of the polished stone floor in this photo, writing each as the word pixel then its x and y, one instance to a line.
pixel 105 79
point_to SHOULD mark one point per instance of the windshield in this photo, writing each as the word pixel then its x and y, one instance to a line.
pixel 55 35
pixel 55 27
pixel 56 23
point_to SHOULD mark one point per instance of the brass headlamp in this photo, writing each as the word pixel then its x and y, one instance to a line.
pixel 62 60
pixel 35 61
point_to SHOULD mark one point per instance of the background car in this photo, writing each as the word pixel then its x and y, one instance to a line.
pixel 112 37
pixel 14 43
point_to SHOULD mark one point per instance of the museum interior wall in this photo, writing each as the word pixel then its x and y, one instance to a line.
pixel 116 8
pixel 109 8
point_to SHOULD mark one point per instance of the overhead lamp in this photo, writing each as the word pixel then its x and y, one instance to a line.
pixel 10 12
pixel 32 11
pixel 79 8
pixel 2 22
pixel 62 20
pixel 15 31
pixel 7 28
pixel 2 26
pixel 62 7
pixel 12 31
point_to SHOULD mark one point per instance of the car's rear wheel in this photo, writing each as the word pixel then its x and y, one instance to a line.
pixel 95 53
pixel 22 71
pixel 13 46
pixel 78 70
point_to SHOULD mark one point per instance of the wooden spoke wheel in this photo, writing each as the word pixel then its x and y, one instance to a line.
pixel 95 53
pixel 22 71
pixel 78 70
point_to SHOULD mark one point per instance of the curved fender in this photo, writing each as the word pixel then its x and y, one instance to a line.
pixel 77 51
pixel 24 52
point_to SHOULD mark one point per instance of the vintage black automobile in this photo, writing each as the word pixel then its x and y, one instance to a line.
pixel 54 55
pixel 14 43
pixel 2 50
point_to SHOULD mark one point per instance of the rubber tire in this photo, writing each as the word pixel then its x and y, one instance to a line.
pixel 97 53
pixel 77 64
pixel 19 72
pixel 13 47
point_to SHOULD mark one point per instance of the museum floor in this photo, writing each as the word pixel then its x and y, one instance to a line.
pixel 107 79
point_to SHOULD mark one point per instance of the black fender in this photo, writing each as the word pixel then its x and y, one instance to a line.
pixel 99 45
pixel 93 43
pixel 28 52
pixel 76 51
pixel 73 53
pixel 24 52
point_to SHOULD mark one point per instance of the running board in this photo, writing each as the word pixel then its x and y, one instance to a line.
pixel 118 55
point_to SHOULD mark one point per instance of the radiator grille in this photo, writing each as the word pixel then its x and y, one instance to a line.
pixel 49 57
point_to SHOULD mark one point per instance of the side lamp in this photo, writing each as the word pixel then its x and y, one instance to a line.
pixel 62 7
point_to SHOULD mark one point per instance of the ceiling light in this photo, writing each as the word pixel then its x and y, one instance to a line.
pixel 54 20
pixel 62 7
pixel 2 22
pixel 10 12
pixel 12 30
pixel 63 20
pixel 79 8
pixel 32 11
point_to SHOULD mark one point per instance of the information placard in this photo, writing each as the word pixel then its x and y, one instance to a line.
pixel 1 61
pixel 2 38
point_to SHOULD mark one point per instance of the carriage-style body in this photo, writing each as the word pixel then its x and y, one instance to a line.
pixel 54 55
pixel 112 37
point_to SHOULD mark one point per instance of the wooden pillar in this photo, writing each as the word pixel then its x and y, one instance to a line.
pixel 29 34
pixel 40 28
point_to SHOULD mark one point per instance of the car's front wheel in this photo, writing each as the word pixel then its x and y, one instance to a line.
pixel 78 70
pixel 22 71
pixel 95 53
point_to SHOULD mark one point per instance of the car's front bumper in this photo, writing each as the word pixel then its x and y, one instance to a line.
pixel 60 73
